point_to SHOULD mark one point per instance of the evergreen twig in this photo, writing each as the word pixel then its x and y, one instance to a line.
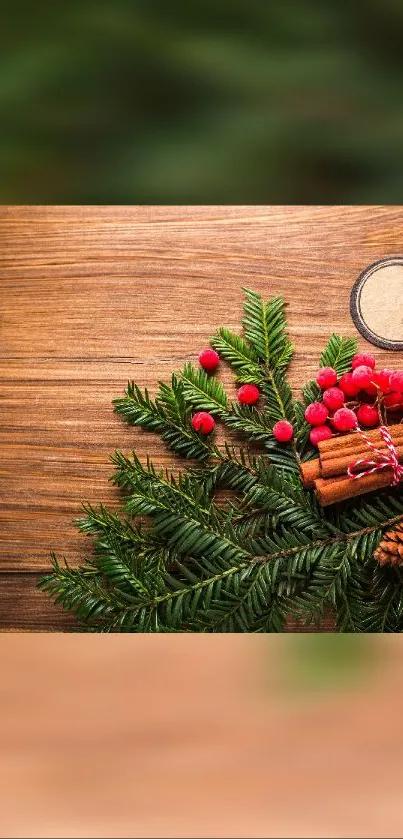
pixel 180 560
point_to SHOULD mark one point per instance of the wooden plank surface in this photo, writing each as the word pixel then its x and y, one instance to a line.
pixel 93 296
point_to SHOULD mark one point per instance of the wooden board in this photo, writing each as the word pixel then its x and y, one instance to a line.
pixel 93 296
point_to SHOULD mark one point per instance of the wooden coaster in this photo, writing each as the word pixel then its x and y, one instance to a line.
pixel 376 303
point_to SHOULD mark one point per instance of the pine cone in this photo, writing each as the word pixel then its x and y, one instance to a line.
pixel 390 548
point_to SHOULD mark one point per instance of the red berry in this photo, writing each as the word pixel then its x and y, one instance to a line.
pixel 348 385
pixel 363 359
pixel 248 394
pixel 320 432
pixel 203 422
pixel 367 415
pixel 333 398
pixel 382 379
pixel 283 431
pixel 344 419
pixel 393 401
pixel 326 377
pixel 362 376
pixel 396 380
pixel 316 413
pixel 209 360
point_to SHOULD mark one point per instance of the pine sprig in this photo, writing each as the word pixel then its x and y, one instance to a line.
pixel 279 494
pixel 176 558
pixel 239 355
pixel 179 434
pixel 278 396
pixel 265 327
pixel 139 409
pixel 203 392
pixel 338 353
pixel 168 416
pixel 286 557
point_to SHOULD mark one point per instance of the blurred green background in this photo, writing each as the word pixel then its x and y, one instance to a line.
pixel 232 101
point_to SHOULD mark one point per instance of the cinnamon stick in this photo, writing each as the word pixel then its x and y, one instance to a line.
pixel 332 490
pixel 338 453
pixel 310 471
pixel 339 465
pixel 351 442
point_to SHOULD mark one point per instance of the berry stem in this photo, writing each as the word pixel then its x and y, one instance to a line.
pixel 381 408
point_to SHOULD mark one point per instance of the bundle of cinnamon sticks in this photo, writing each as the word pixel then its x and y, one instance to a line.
pixel 328 472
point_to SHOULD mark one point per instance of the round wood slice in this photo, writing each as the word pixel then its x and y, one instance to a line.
pixel 376 303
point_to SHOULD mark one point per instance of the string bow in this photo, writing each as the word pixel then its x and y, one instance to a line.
pixel 383 460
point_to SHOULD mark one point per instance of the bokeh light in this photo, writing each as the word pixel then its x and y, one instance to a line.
pixel 220 101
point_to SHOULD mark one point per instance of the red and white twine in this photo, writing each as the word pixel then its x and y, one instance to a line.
pixel 383 461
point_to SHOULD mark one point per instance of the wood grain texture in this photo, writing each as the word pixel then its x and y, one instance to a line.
pixel 93 296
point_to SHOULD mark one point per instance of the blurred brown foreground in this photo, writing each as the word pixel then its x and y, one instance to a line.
pixel 200 736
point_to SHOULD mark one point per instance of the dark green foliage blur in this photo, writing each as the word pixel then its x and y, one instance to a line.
pixel 233 101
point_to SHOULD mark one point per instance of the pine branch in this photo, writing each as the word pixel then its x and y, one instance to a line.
pixel 139 409
pixel 79 590
pixel 176 559
pixel 168 416
pixel 286 499
pixel 251 602
pixel 291 554
pixel 265 327
pixel 203 392
pixel 257 427
pixel 247 420
pixel 384 605
pixel 338 353
pixel 232 469
pixel 134 547
pixel 98 521
pixel 239 355
pixel 180 435
pixel 278 396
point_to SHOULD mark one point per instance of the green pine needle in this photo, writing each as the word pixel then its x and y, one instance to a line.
pixel 239 355
pixel 265 327
pixel 179 558
pixel 203 392
pixel 338 353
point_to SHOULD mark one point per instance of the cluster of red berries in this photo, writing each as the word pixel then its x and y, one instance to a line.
pixel 202 421
pixel 356 399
